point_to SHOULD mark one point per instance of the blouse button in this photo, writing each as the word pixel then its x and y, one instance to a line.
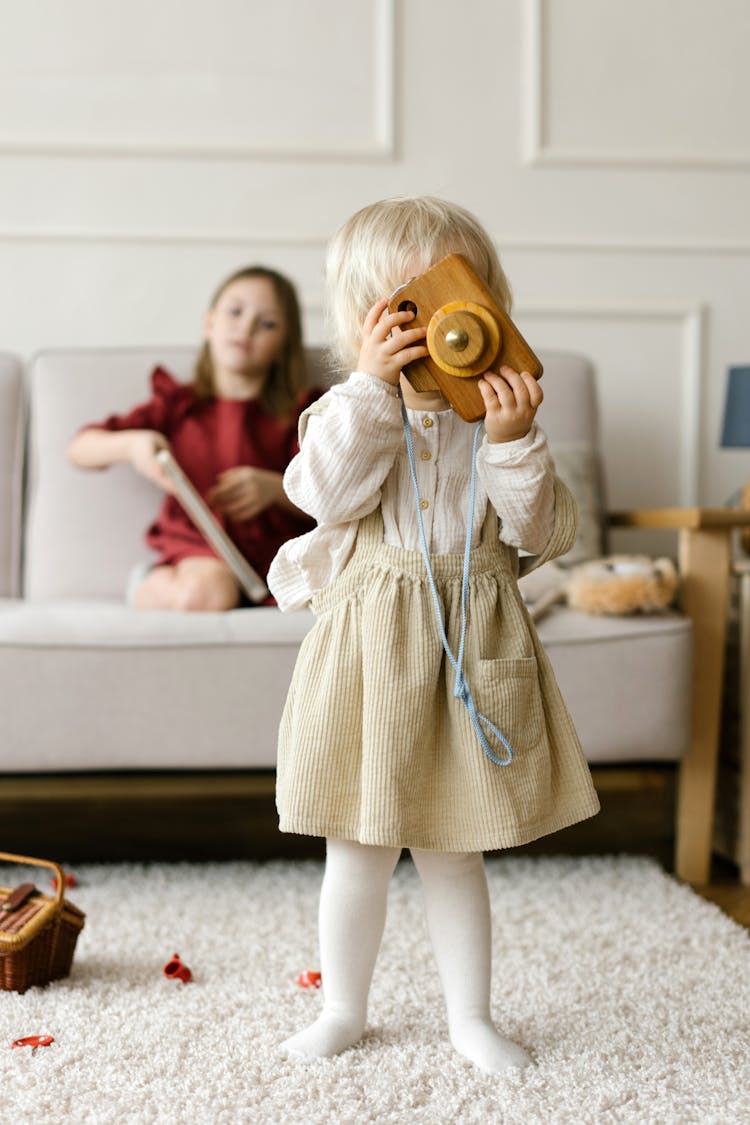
pixel 426 455
pixel 424 504
pixel 427 422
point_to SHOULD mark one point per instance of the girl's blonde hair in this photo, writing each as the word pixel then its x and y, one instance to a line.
pixel 374 250
pixel 287 376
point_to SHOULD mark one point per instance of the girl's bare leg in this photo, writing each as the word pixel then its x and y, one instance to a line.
pixel 195 584
pixel 353 902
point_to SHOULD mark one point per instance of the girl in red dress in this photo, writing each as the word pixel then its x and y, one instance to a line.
pixel 233 430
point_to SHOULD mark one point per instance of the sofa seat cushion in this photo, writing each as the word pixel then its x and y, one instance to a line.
pixel 101 686
pixel 626 681
pixel 79 624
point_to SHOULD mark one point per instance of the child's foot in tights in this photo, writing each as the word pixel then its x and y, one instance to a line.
pixel 477 1039
pixel 329 1035
pixel 458 919
pixel 352 917
pixel 473 1037
pixel 351 920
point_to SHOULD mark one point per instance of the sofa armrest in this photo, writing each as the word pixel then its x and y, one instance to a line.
pixel 705 563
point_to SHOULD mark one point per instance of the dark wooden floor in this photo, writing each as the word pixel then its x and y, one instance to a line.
pixel 726 892
pixel 196 817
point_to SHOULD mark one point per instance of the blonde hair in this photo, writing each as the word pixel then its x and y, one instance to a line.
pixel 371 253
pixel 287 376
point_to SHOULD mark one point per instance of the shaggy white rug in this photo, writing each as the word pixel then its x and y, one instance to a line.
pixel 631 992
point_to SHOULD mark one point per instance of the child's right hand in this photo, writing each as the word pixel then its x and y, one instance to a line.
pixel 386 347
pixel 143 447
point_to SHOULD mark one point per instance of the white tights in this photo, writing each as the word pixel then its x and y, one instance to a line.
pixel 353 902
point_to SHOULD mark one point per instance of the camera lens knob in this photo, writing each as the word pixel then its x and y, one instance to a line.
pixel 457 339
pixel 463 338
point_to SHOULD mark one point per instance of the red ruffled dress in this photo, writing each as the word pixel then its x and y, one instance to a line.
pixel 208 436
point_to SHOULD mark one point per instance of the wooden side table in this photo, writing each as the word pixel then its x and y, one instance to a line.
pixel 705 563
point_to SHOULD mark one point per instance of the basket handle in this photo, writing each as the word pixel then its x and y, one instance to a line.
pixel 40 863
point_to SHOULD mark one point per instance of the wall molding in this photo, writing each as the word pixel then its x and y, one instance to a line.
pixel 219 236
pixel 536 147
pixel 382 146
pixel 145 236
pixel 639 245
pixel 691 320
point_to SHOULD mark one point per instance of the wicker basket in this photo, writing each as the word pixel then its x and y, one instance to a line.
pixel 38 933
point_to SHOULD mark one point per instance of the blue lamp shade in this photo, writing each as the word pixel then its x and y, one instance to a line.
pixel 736 429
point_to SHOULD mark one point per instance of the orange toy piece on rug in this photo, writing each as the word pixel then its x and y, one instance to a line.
pixel 34 1041
pixel 309 978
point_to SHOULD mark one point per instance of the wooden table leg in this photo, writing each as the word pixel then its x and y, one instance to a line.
pixel 704 557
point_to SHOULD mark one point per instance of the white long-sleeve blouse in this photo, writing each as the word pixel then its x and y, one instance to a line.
pixel 353 456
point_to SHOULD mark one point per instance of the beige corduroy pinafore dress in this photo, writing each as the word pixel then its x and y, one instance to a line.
pixel 373 745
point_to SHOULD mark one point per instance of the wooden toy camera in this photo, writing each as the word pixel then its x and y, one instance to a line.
pixel 467 334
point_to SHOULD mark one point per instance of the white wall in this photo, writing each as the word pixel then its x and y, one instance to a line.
pixel 148 148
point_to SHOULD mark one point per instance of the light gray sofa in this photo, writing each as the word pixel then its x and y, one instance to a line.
pixel 90 685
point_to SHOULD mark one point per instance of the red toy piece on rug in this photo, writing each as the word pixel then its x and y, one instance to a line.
pixel 68 878
pixel 34 1041
pixel 309 979
pixel 175 970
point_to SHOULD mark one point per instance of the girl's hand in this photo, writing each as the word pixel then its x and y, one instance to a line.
pixel 143 445
pixel 512 401
pixel 245 491
pixel 386 348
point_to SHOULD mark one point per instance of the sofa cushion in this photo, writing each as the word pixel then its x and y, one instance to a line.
pixel 112 624
pixel 99 686
pixel 11 471
pixel 577 464
pixel 626 681
pixel 84 530
pixel 569 415
pixel 129 689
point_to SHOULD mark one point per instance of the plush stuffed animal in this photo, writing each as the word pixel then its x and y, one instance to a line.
pixel 615 585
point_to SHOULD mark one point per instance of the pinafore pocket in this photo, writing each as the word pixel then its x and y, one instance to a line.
pixel 508 693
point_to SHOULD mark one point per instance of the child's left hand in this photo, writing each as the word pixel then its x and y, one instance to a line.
pixel 511 400
pixel 244 492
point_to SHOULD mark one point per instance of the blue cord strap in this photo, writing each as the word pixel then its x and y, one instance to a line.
pixel 461 689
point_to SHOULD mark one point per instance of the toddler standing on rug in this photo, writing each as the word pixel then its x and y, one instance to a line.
pixel 233 430
pixel 387 741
